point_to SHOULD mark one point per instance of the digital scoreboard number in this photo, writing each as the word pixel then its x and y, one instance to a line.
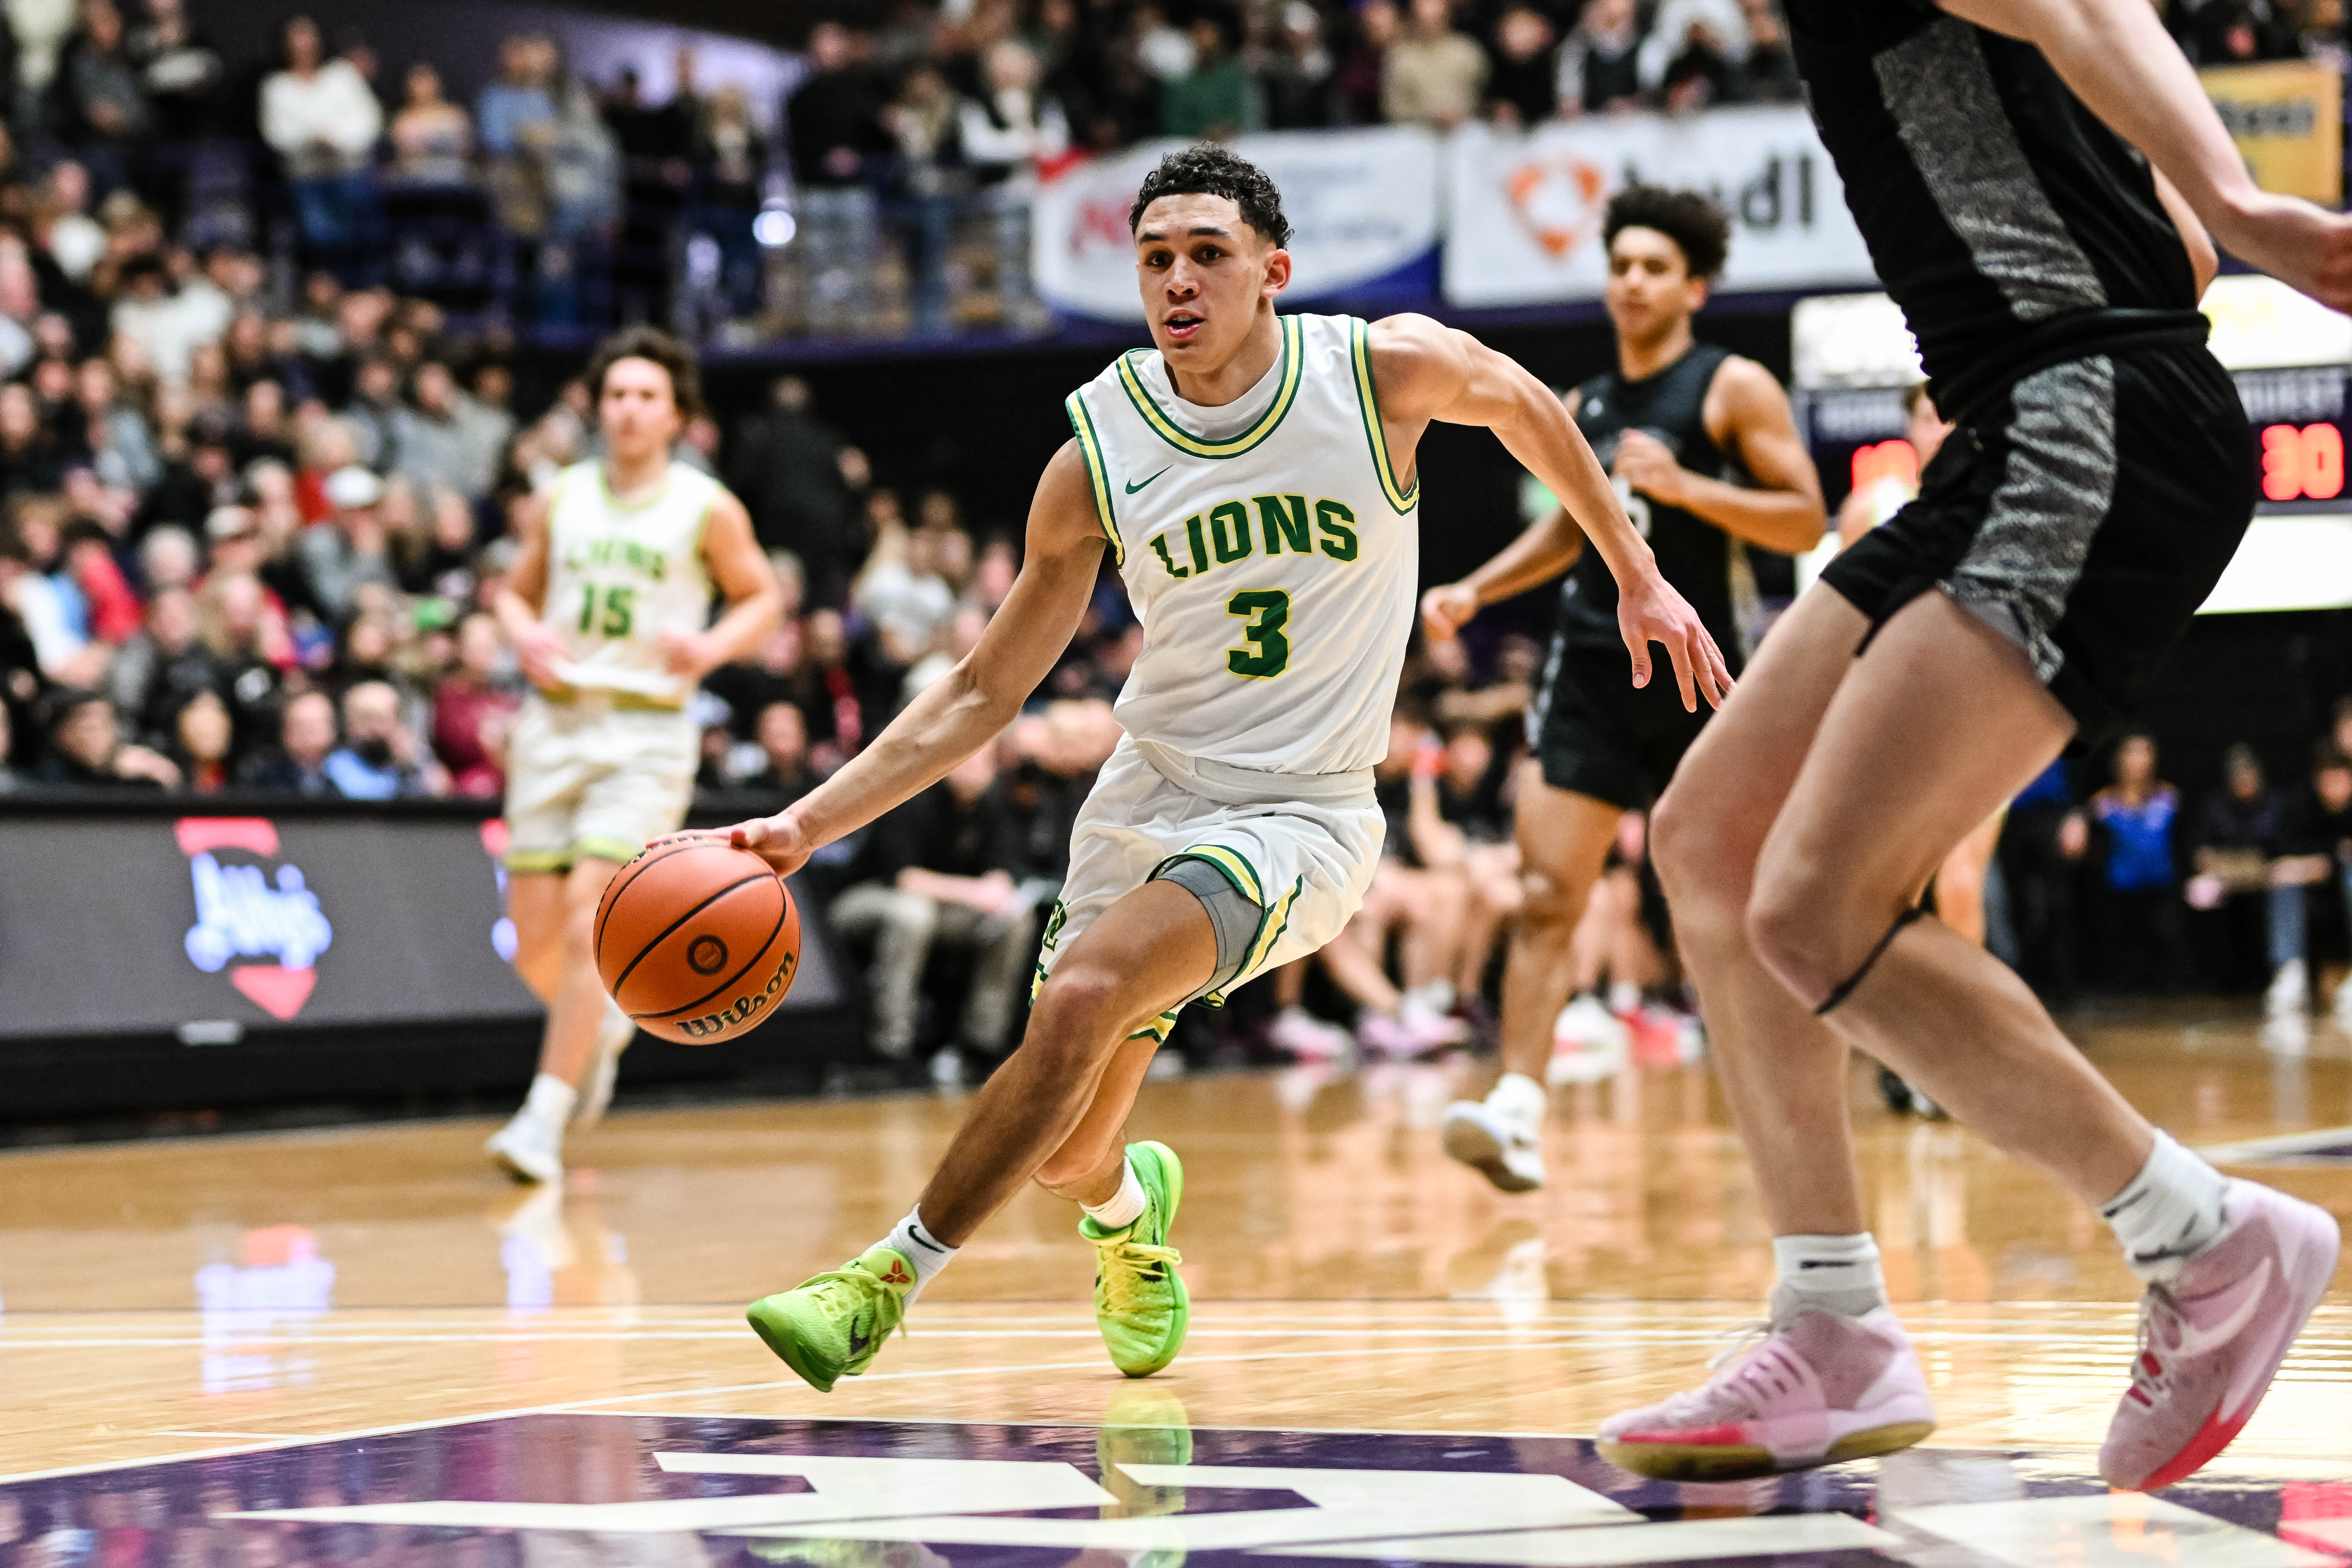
pixel 2305 464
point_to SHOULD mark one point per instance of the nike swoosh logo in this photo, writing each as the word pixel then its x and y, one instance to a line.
pixel 858 1341
pixel 2195 1341
pixel 1132 487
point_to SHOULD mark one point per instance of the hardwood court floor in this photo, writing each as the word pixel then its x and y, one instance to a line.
pixel 172 1297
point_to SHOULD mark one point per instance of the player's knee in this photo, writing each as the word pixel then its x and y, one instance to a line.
pixel 1793 932
pixel 1700 856
pixel 1543 901
pixel 1076 1016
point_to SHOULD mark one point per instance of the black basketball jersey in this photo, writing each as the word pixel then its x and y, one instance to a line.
pixel 1695 555
pixel 2002 216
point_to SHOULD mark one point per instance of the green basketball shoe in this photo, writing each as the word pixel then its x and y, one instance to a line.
pixel 1139 1303
pixel 833 1326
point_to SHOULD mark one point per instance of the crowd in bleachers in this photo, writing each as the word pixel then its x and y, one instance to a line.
pixel 888 193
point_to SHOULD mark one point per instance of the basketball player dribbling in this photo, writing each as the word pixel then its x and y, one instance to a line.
pixel 1707 459
pixel 1997 155
pixel 608 606
pixel 1252 477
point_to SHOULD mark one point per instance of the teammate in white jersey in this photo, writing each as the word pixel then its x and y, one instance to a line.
pixel 608 606
pixel 1252 477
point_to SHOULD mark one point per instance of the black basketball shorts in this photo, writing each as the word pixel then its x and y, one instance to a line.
pixel 2085 516
pixel 1594 732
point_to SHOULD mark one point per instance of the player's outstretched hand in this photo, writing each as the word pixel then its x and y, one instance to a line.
pixel 2305 247
pixel 1447 609
pixel 780 840
pixel 539 648
pixel 1648 611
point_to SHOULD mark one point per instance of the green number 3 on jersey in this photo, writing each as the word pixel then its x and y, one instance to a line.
pixel 1270 608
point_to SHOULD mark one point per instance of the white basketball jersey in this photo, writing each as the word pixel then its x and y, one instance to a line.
pixel 619 574
pixel 1272 569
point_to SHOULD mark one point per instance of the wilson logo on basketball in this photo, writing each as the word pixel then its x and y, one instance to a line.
pixel 242 913
pixel 731 1019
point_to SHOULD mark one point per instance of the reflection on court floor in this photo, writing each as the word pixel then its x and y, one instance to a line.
pixel 1143 1489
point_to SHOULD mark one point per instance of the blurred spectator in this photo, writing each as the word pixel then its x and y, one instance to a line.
pixel 1524 89
pixel 1215 97
pixel 350 548
pixel 1377 24
pixel 784 745
pixel 928 179
pixel 2237 832
pixel 1770 75
pixel 902 592
pixel 202 739
pixel 1295 81
pixel 2238 32
pixel 787 465
pixel 732 156
pixel 87 750
pixel 181 73
pixel 2138 816
pixel 1432 76
pixel 298 763
pixel 1679 29
pixel 322 119
pixel 938 869
pixel 2314 846
pixel 473 708
pixel 379 758
pixel 1600 62
pixel 835 128
pixel 39 29
pixel 432 138
pixel 100 107
pixel 11 779
pixel 444 436
pixel 161 665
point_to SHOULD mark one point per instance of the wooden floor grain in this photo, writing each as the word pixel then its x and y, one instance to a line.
pixel 174 1296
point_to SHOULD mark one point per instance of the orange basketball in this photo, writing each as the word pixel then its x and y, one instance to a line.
pixel 696 939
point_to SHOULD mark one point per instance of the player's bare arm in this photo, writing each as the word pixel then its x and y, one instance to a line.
pixel 523 597
pixel 1426 371
pixel 1747 415
pixel 964 710
pixel 755 601
pixel 2119 60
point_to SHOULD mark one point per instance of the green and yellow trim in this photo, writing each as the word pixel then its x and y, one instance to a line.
pixel 1156 1030
pixel 1236 868
pixel 1290 368
pixel 1403 498
pixel 1082 426
pixel 538 862
pixel 1270 927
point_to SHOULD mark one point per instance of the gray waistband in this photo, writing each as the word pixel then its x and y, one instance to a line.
pixel 1231 785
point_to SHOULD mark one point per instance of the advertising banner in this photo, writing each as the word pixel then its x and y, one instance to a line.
pixel 1362 204
pixel 2288 119
pixel 209 925
pixel 1525 209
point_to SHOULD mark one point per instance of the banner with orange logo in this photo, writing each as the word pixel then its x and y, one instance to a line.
pixel 1525 209
pixel 1363 205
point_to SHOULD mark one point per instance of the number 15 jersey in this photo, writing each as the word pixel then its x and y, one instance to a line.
pixel 1274 565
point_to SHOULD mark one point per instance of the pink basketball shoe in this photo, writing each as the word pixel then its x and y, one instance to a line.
pixel 1819 1389
pixel 2212 1338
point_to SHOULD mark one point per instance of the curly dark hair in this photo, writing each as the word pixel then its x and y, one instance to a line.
pixel 1695 223
pixel 650 343
pixel 1208 170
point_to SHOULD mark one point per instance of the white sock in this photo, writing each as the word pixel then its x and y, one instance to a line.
pixel 1624 998
pixel 1519 1097
pixel 1123 1208
pixel 2172 1208
pixel 1437 997
pixel 551 1100
pixel 920 1248
pixel 1836 1274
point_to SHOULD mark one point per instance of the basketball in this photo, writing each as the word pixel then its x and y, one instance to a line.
pixel 696 939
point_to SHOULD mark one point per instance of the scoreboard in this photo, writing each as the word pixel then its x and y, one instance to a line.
pixel 1855 362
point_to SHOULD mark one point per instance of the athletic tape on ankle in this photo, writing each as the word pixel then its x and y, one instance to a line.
pixel 1846 987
